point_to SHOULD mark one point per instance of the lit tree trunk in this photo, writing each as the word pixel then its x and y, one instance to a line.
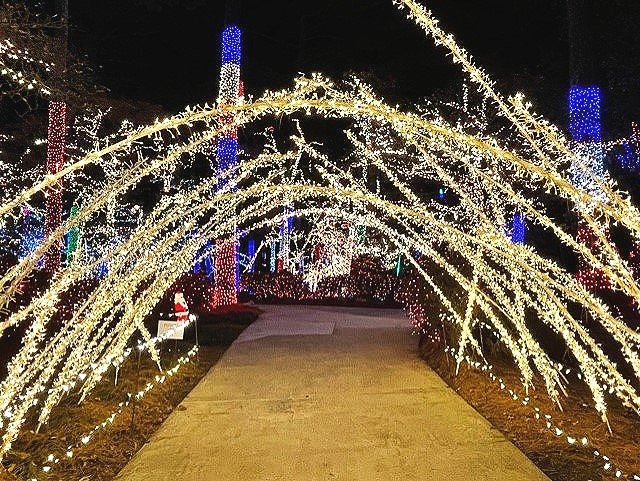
pixel 226 253
pixel 56 137
pixel 585 125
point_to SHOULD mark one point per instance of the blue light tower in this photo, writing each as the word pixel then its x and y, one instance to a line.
pixel 585 126
pixel 518 229
pixel 227 273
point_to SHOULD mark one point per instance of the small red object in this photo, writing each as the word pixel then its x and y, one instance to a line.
pixel 180 307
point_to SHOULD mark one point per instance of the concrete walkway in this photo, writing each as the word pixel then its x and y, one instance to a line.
pixel 315 394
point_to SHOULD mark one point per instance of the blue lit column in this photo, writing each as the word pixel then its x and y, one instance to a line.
pixel 226 256
pixel 273 255
pixel 251 253
pixel 286 228
pixel 585 126
pixel 518 229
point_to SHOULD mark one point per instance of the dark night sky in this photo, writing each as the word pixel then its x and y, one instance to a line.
pixel 167 51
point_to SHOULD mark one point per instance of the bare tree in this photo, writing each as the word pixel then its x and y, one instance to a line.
pixel 34 59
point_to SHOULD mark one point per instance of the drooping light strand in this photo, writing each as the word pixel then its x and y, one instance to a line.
pixel 53 460
pixel 573 439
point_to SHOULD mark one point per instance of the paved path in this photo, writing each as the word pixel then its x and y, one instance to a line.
pixel 315 394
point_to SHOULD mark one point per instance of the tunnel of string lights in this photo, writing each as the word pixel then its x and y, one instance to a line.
pixel 493 155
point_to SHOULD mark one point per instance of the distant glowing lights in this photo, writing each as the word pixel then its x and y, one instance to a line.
pixel 231 89
pixel 518 229
pixel 251 254
pixel 629 158
pixel 227 158
pixel 232 45
pixel 585 122
pixel 225 273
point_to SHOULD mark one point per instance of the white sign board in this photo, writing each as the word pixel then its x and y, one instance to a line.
pixel 170 330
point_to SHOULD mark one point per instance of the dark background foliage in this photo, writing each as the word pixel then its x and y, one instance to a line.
pixel 167 51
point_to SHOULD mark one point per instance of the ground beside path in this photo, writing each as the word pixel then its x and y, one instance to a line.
pixel 318 393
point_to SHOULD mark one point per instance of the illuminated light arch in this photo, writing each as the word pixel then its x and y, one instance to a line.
pixel 502 277
pixel 510 156
pixel 352 196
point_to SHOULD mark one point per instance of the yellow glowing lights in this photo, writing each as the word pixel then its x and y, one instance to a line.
pixel 492 174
